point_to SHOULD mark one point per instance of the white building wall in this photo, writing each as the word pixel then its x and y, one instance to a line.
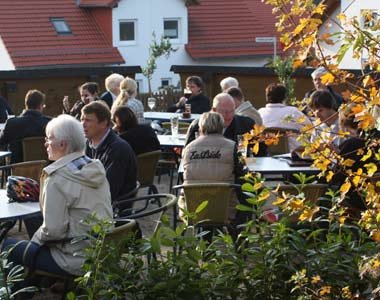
pixel 149 16
pixel 6 63
pixel 351 8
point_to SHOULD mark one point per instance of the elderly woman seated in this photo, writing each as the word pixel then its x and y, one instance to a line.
pixel 211 157
pixel 72 187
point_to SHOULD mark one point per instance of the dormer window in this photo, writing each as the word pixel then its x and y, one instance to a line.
pixel 60 26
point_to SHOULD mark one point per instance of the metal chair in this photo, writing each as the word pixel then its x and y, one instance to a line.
pixel 117 235
pixel 146 170
pixel 33 148
pixel 144 206
pixel 283 143
pixel 217 194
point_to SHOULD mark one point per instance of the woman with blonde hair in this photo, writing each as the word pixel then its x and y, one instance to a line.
pixel 128 91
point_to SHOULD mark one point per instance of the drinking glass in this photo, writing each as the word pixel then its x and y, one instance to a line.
pixel 151 102
pixel 242 148
pixel 174 126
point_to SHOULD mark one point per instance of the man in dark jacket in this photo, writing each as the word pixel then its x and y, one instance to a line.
pixel 234 125
pixel 116 155
pixel 30 123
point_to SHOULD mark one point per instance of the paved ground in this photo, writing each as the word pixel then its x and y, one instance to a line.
pixel 147 225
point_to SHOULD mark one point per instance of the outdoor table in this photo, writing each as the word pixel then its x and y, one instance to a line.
pixel 169 141
pixel 10 212
pixel 166 116
pixel 276 165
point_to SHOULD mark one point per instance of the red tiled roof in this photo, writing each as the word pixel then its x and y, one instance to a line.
pixel 98 3
pixel 225 28
pixel 32 41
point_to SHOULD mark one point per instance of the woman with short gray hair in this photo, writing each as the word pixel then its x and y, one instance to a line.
pixel 210 123
pixel 211 157
pixel 72 188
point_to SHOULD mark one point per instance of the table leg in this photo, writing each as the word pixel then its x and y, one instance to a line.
pixel 5 227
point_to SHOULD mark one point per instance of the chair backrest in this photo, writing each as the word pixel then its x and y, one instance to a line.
pixel 182 127
pixel 146 167
pixel 218 196
pixel 122 229
pixel 30 169
pixel 283 144
pixel 312 191
pixel 141 207
pixel 33 148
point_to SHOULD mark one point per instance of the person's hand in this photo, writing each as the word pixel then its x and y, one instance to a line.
pixel 66 103
pixel 181 101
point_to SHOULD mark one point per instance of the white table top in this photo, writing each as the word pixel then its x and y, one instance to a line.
pixel 171 141
pixel 166 116
pixel 15 210
pixel 270 165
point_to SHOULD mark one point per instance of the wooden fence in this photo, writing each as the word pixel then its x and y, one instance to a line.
pixel 164 99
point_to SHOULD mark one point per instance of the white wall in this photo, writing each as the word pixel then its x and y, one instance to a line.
pixel 350 8
pixel 6 63
pixel 149 16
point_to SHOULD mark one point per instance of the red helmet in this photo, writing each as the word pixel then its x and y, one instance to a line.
pixel 22 189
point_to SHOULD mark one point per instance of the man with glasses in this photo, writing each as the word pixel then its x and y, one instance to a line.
pixel 31 122
pixel 234 125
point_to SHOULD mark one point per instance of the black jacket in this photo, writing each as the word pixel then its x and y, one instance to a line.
pixel 30 123
pixel 107 97
pixel 199 104
pixel 120 163
pixel 142 139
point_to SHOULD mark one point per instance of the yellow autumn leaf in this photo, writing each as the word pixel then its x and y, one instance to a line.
pixel 368 81
pixel 348 162
pixel 371 168
pixel 329 176
pixel 315 279
pixel 297 63
pixel 255 148
pixel 345 187
pixel 279 201
pixel 365 121
pixel 308 213
pixel 375 235
pixel 356 180
pixel 366 156
pixel 263 196
pixel 327 78
pixel 358 108
pixel 342 219
pixel 296 204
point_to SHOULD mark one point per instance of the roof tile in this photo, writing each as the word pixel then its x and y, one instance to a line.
pixel 32 41
pixel 225 28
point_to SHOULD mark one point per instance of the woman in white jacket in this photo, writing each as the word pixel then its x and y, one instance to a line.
pixel 72 187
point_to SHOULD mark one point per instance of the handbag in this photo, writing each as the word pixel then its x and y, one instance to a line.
pixel 22 189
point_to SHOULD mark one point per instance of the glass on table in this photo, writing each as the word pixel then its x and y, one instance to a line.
pixel 242 146
pixel 174 126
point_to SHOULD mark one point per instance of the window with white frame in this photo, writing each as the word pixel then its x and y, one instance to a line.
pixel 171 28
pixel 165 82
pixel 127 30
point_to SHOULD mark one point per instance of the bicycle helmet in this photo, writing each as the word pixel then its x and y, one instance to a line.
pixel 22 189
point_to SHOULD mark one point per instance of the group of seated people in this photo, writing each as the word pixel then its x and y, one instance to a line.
pixel 94 164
